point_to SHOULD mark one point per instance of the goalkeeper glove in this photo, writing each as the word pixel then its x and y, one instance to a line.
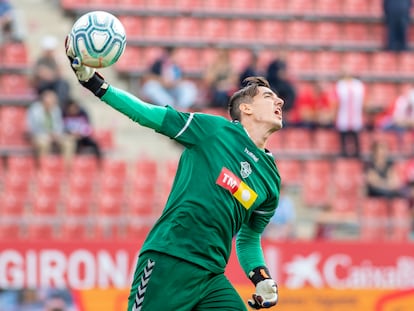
pixel 87 76
pixel 266 295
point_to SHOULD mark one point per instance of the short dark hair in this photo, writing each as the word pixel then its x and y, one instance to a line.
pixel 245 94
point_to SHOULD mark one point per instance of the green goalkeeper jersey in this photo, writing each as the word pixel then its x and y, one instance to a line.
pixel 223 181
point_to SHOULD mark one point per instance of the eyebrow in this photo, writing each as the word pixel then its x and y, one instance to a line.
pixel 268 93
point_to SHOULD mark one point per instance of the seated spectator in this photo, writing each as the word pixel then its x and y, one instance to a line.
pixel 314 106
pixel 276 74
pixel 45 125
pixel 10 27
pixel 220 80
pixel 47 71
pixel 165 85
pixel 401 115
pixel 282 224
pixel 251 69
pixel 381 176
pixel 78 127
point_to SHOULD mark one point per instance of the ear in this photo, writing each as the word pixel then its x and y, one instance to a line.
pixel 246 108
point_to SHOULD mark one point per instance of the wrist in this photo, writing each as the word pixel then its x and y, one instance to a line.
pixel 259 274
pixel 96 84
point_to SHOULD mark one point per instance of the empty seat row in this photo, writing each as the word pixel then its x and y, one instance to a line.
pixel 368 8
pixel 264 31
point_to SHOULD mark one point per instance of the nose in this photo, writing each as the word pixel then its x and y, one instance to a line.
pixel 280 101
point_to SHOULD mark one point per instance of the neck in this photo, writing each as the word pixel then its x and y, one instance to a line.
pixel 258 134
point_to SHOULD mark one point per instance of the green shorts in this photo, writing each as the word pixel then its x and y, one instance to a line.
pixel 165 283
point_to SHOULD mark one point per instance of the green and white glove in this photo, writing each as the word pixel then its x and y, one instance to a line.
pixel 266 294
pixel 87 76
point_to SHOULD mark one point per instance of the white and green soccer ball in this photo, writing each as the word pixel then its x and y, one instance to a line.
pixel 98 38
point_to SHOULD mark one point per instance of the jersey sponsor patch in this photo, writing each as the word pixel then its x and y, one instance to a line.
pixel 239 189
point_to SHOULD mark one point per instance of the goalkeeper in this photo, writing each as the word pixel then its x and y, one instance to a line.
pixel 226 184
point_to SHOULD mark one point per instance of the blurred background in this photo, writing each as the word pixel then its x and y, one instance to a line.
pixel 81 190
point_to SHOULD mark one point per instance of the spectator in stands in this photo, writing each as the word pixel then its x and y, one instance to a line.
pixel 381 176
pixel 79 129
pixel 282 224
pixel 47 71
pixel 165 85
pixel 276 74
pixel 402 114
pixel 397 21
pixel 45 125
pixel 251 69
pixel 220 80
pixel 9 23
pixel 314 106
pixel 350 96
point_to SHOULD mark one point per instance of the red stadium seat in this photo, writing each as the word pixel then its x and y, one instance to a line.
pixel 374 219
pixel 316 188
pixel 137 228
pixel 345 207
pixel 104 228
pixel 130 61
pixel 188 5
pixel 356 33
pixel 216 5
pixel 273 6
pixel 160 5
pixel 14 85
pixel 384 63
pixel 271 31
pixel 290 171
pixel 21 164
pixel 301 7
pixel 17 183
pixel 243 30
pixel 401 216
pixel 356 62
pixel 239 58
pixel 328 33
pixel 215 29
pixel 11 204
pixel 301 62
pixel 87 164
pixel 71 5
pixel 406 63
pixel 110 204
pixel 297 140
pixel 328 63
pixel 356 8
pixel 54 164
pixel 82 183
pixel 14 55
pixel 157 28
pixel 13 126
pixel 73 229
pixel 46 204
pixel 300 32
pixel 47 182
pixel 381 94
pixel 134 26
pixel 40 231
pixel 189 58
pixel 328 7
pixel 142 204
pixel 187 28
pixel 10 231
pixel 245 6
pixel 77 204
pixel 347 178
pixel 326 142
pixel 131 4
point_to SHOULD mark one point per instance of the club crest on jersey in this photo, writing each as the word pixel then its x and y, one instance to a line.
pixel 245 169
pixel 239 189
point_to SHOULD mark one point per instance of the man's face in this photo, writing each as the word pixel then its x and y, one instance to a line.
pixel 267 108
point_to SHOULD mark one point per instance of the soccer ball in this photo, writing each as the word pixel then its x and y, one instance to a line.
pixel 98 38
